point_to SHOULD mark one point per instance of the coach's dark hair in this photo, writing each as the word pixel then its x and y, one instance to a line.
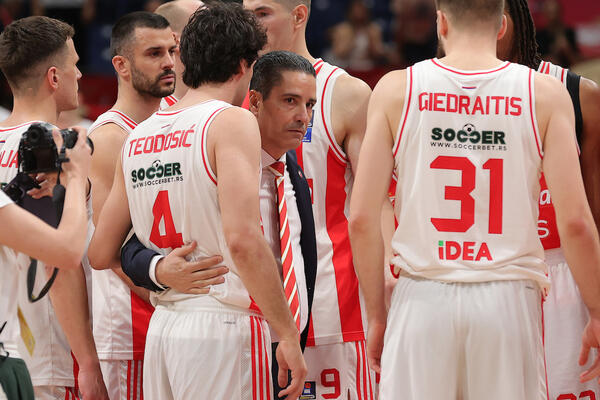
pixel 268 70
pixel 470 11
pixel 525 47
pixel 216 39
pixel 124 28
pixel 29 43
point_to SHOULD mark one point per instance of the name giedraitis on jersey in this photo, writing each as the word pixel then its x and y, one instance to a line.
pixel 469 138
pixel 156 174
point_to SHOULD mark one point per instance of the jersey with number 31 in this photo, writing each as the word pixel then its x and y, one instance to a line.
pixel 468 158
pixel 172 192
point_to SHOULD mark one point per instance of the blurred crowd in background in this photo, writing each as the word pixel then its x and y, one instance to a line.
pixel 366 37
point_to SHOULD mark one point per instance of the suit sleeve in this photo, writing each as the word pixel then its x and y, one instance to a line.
pixel 135 262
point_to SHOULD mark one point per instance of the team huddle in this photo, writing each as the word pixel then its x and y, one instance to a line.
pixel 255 223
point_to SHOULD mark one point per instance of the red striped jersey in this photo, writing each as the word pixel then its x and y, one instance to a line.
pixel 172 194
pixel 547 229
pixel 468 158
pixel 336 312
pixel 168 101
pixel 120 317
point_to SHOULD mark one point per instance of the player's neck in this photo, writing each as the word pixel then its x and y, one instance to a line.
pixel 180 90
pixel 299 47
pixel 26 109
pixel 135 105
pixel 218 91
pixel 470 52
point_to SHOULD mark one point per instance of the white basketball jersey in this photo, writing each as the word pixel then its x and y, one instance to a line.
pixel 50 362
pixel 11 263
pixel 336 311
pixel 120 317
pixel 468 158
pixel 172 193
pixel 168 101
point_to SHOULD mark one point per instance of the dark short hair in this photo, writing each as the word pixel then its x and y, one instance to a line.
pixel 216 39
pixel 268 70
pixel 28 43
pixel 124 29
pixel 466 12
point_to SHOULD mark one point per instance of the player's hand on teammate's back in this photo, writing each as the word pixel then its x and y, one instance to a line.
pixel 591 340
pixel 80 156
pixel 375 335
pixel 190 277
pixel 289 357
pixel 91 384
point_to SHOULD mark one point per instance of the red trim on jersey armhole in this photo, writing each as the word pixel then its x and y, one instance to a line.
pixel 204 156
pixel 337 229
pixel 533 122
pixel 318 65
pixel 471 73
pixel 547 68
pixel 332 141
pixel 299 156
pixel 170 100
pixel 128 121
pixel 562 76
pixel 406 112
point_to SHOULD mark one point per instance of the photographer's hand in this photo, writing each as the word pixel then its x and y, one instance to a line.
pixel 79 156
pixel 47 181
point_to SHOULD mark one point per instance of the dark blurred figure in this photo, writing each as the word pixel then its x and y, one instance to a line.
pixel 357 42
pixel 557 42
pixel 414 31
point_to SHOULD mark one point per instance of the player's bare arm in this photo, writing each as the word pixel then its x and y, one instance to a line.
pixel 70 301
pixel 65 245
pixel 578 232
pixel 589 94
pixel 370 191
pixel 108 140
pixel 234 153
pixel 113 225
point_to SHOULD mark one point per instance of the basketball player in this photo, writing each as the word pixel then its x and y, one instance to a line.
pixel 178 14
pixel 63 247
pixel 39 60
pixel 565 315
pixel 142 46
pixel 335 353
pixel 467 147
pixel 216 344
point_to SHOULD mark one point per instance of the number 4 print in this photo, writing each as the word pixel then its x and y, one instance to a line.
pixel 462 193
pixel 162 211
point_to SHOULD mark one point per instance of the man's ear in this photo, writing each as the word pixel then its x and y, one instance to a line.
pixel 442 24
pixel 503 27
pixel 300 16
pixel 255 99
pixel 121 65
pixel 52 78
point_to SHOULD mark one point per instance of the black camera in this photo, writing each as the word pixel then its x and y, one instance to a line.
pixel 38 152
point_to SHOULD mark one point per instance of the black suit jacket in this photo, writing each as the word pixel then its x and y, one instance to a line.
pixel 135 258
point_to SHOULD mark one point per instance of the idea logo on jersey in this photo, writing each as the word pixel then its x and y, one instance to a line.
pixel 467 251
pixel 310 391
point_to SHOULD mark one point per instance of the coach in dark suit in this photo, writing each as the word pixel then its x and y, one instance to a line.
pixel 283 92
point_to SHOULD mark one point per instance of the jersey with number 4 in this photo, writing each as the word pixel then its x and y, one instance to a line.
pixel 468 158
pixel 172 192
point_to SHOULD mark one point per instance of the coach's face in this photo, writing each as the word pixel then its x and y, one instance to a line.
pixel 285 114
pixel 152 61
pixel 277 20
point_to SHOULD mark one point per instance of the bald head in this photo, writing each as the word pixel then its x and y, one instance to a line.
pixel 178 13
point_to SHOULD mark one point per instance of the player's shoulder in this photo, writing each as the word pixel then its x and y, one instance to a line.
pixel 549 91
pixel 589 91
pixel 392 86
pixel 234 119
pixel 350 88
